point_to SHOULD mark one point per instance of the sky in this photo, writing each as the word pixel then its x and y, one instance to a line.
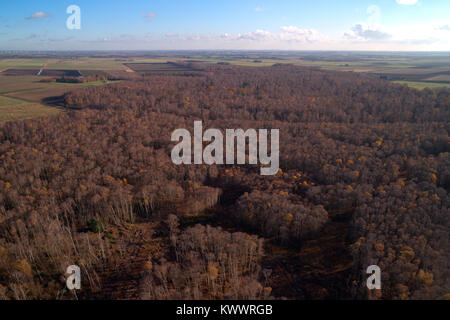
pixel 384 25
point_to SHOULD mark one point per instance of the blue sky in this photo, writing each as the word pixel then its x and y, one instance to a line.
pixel 230 24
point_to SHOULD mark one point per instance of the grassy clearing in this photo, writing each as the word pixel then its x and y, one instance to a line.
pixel 97 83
pixel 26 111
pixel 63 64
pixel 21 96
pixel 86 84
pixel 21 63
pixel 162 60
pixel 8 102
pixel 81 64
pixel 38 95
pixel 423 85
pixel 16 109
pixel 19 83
pixel 31 89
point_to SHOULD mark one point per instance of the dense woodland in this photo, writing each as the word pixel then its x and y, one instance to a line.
pixel 350 145
pixel 209 264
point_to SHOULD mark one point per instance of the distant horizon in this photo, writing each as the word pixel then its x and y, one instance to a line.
pixel 228 50
pixel 268 25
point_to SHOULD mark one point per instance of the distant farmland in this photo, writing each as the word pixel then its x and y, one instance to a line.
pixel 424 85
pixel 44 73
pixel 161 68
pixel 24 94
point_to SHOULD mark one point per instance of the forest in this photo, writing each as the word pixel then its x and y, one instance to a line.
pixel 96 187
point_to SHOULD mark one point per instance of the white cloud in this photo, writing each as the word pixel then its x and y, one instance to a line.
pixel 258 35
pixel 258 9
pixel 407 2
pixel 370 31
pixel 227 36
pixel 424 36
pixel 38 15
pixel 292 33
pixel 425 33
pixel 288 34
pixel 363 32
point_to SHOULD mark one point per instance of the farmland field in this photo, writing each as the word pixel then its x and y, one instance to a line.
pixel 424 85
pixel 12 108
pixel 23 93
pixel 7 102
pixel 26 111
pixel 19 83
pixel 44 73
pixel 40 94
pixel 160 68
pixel 21 63
pixel 16 109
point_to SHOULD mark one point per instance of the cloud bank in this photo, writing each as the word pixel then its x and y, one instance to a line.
pixel 38 15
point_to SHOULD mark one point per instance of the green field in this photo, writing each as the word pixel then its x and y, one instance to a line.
pixel 16 109
pixel 21 63
pixel 97 83
pixel 85 84
pixel 85 64
pixel 26 111
pixel 424 85
pixel 8 102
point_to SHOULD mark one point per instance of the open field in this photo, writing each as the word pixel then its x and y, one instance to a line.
pixel 40 94
pixel 23 93
pixel 43 73
pixel 20 83
pixel 8 102
pixel 21 63
pixel 16 109
pixel 22 97
pixel 424 85
pixel 12 108
pixel 160 68
pixel 86 64
pixel 26 111
pixel 97 83
pixel 395 66
pixel 66 63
